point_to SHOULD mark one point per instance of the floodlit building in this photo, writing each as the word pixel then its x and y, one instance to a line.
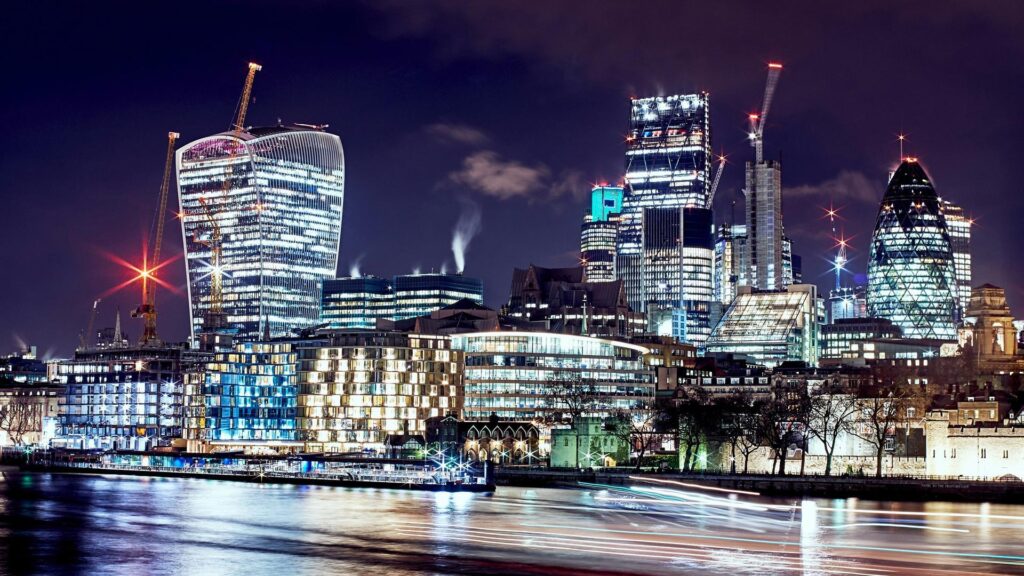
pixel 763 191
pixel 244 399
pixel 730 251
pixel 271 198
pixel 846 303
pixel 911 269
pixel 30 412
pixel 359 386
pixel 524 376
pixel 989 327
pixel 770 327
pixel 357 302
pixel 128 398
pixel 977 437
pixel 421 294
pixel 959 226
pixel 599 232
pixel 838 337
pixel 668 146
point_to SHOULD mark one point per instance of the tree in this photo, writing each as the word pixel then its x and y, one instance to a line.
pixel 830 414
pixel 736 426
pixel 695 419
pixel 576 396
pixel 639 430
pixel 778 425
pixel 17 417
pixel 881 413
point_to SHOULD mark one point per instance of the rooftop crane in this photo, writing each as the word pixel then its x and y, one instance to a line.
pixel 85 338
pixel 216 318
pixel 714 183
pixel 148 308
pixel 757 121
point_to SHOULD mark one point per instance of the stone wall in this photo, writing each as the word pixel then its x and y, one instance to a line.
pixel 761 462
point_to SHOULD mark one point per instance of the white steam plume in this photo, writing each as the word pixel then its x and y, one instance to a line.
pixel 465 229
pixel 353 269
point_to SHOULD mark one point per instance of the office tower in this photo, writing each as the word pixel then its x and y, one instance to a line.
pixel 598 233
pixel 911 273
pixel 770 327
pixel 959 226
pixel 765 264
pixel 261 214
pixel 678 260
pixel 357 302
pixel 421 294
pixel 668 146
pixel 792 266
pixel 846 303
pixel 730 252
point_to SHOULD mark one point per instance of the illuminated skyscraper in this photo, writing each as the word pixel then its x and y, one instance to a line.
pixel 911 272
pixel 357 302
pixel 667 167
pixel 272 198
pixel 730 251
pixel 959 227
pixel 598 233
pixel 766 267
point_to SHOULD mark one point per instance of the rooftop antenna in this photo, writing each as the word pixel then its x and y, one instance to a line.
pixel 902 138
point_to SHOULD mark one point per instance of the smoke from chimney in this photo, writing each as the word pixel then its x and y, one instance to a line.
pixel 465 229
pixel 353 269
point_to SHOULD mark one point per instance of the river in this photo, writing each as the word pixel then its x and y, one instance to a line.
pixel 71 524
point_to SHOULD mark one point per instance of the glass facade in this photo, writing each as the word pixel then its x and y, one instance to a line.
pixel 668 146
pixel 357 302
pixel 838 337
pixel 421 294
pixel 911 271
pixel 515 374
pixel 276 196
pixel 847 303
pixel 244 396
pixel 766 266
pixel 770 327
pixel 730 250
pixel 599 232
pixel 128 398
pixel 959 226
pixel 363 385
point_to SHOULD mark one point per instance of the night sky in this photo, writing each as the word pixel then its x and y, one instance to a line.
pixel 509 108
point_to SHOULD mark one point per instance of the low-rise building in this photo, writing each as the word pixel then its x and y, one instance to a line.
pixel 28 412
pixel 492 439
pixel 976 439
pixel 838 337
pixel 770 327
pixel 590 443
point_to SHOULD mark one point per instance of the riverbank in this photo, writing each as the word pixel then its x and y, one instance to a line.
pixel 867 488
pixel 263 478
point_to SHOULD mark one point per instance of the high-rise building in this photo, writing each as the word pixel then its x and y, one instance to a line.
pixel 846 302
pixel 668 146
pixel 730 251
pixel 678 260
pixel 792 267
pixel 270 199
pixel 421 294
pixel 765 264
pixel 959 226
pixel 599 232
pixel 357 302
pixel 911 271
pixel 770 327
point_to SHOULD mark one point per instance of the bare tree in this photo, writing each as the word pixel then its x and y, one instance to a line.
pixel 575 396
pixel 736 426
pixel 639 430
pixel 882 411
pixel 830 414
pixel 695 421
pixel 17 417
pixel 778 425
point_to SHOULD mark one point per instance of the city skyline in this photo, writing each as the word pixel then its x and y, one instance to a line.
pixel 462 151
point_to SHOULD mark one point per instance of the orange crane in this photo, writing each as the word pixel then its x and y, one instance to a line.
pixel 148 308
pixel 216 317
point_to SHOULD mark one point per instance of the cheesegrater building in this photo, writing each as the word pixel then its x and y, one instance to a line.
pixel 911 270
pixel 271 198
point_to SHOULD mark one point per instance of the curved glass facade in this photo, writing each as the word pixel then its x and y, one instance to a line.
pixel 515 374
pixel 911 272
pixel 280 221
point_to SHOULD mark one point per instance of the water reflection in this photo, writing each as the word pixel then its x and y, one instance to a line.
pixel 54 524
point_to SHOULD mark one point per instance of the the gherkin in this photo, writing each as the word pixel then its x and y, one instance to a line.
pixel 911 275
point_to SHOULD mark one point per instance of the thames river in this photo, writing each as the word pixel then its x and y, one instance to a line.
pixel 67 524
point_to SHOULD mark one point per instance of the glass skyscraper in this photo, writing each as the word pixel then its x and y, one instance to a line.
pixel 959 226
pixel 357 302
pixel 667 167
pixel 599 232
pixel 911 271
pixel 275 197
pixel 421 294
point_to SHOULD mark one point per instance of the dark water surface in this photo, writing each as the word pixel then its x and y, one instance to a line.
pixel 69 524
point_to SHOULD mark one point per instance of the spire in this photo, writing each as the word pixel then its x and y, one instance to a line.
pixel 118 339
pixel 266 328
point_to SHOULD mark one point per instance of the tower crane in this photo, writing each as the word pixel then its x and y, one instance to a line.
pixel 757 121
pixel 85 338
pixel 714 183
pixel 216 317
pixel 148 308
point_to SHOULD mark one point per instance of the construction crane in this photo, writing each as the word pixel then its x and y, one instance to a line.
pixel 85 338
pixel 148 308
pixel 714 183
pixel 216 317
pixel 757 121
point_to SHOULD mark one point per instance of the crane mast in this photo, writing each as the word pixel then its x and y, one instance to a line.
pixel 148 308
pixel 714 183
pixel 757 121
pixel 86 338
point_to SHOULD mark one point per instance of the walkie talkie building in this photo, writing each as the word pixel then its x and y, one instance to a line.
pixel 911 272
pixel 272 199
